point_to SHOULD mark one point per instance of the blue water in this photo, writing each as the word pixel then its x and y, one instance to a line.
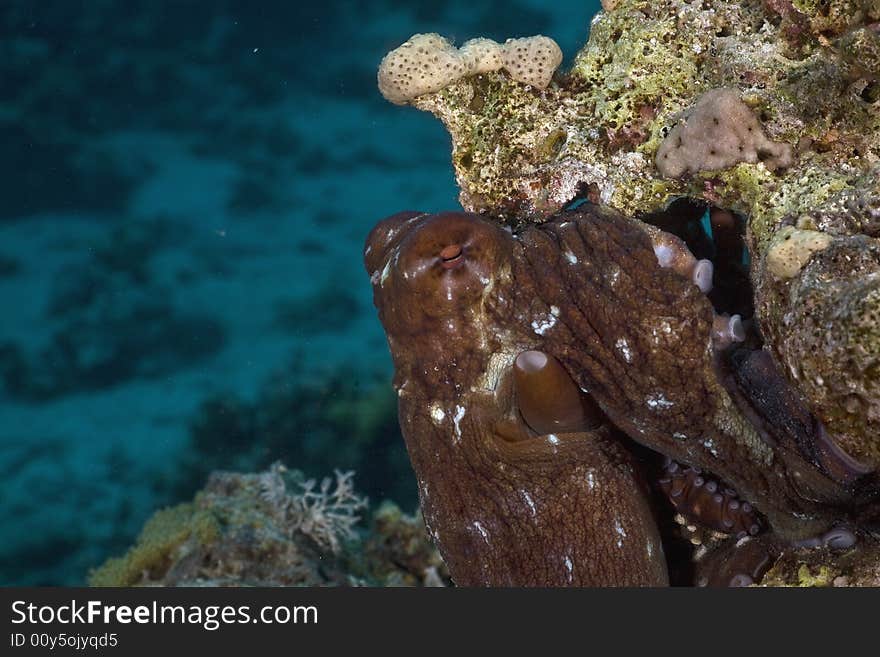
pixel 185 189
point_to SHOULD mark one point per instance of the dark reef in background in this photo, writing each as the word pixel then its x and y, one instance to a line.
pixel 338 422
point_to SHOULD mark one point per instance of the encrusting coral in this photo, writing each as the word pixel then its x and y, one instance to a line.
pixel 717 132
pixel 274 528
pixel 747 355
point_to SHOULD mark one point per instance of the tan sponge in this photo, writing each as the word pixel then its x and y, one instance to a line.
pixel 720 130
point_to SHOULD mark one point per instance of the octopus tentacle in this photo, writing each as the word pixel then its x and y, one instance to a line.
pixel 504 507
pixel 737 562
pixel 836 538
pixel 782 413
pixel 835 461
pixel 727 330
pixel 673 253
pixel 703 500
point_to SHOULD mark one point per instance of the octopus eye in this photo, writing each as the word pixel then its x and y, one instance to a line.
pixel 451 256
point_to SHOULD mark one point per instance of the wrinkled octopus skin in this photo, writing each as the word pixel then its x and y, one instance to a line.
pixel 524 361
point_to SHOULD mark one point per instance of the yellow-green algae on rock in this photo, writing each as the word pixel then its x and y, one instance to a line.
pixel 825 568
pixel 809 73
pixel 646 63
pixel 157 547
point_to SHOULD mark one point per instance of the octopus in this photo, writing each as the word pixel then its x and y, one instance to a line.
pixel 565 389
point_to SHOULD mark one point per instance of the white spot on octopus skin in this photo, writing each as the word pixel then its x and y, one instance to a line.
pixel 571 257
pixel 459 414
pixel 658 401
pixel 482 531
pixel 437 414
pixel 620 532
pixel 541 326
pixel 530 502
pixel 708 444
pixel 553 439
pixel 623 346
pixel 591 480
pixel 569 566
pixel 544 325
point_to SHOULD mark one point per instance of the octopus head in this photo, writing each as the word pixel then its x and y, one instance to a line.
pixel 433 270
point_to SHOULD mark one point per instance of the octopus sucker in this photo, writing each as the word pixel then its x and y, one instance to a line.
pixel 727 330
pixel 837 538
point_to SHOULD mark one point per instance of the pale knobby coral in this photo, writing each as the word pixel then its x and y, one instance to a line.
pixel 427 63
pixel 791 248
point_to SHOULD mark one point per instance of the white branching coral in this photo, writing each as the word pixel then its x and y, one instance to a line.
pixel 325 512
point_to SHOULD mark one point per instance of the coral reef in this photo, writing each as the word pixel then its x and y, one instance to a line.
pixel 826 567
pixel 761 116
pixel 324 513
pixel 276 529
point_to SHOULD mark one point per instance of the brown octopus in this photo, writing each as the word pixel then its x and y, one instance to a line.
pixel 533 368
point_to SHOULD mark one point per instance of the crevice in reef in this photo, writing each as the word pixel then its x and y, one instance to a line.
pixel 718 235
pixel 732 292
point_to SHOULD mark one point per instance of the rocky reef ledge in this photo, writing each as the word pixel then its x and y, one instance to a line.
pixel 275 528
